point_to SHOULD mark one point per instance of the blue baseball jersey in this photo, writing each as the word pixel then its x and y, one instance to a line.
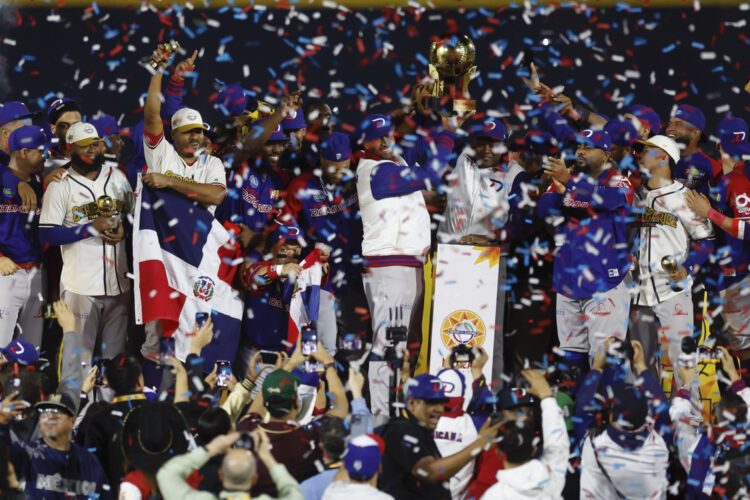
pixel 696 171
pixel 592 249
pixel 19 233
pixel 732 196
pixel 252 199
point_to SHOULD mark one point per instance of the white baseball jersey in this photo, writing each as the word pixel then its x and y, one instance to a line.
pixel 392 226
pixel 477 199
pixel 90 266
pixel 451 436
pixel 666 226
pixel 163 159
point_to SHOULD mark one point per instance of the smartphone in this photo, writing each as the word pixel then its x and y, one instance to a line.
pixel 200 319
pixel 309 340
pixel 350 342
pixel 223 373
pixel 268 357
pixel 245 441
pixel 312 367
pixel 15 385
pixel 358 425
pixel 100 371
pixel 166 350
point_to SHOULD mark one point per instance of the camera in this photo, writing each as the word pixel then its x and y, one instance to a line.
pixel 704 354
pixel 350 347
pixel 245 441
pixel 462 356
pixel 166 350
pixel 100 371
pixel 621 349
pixel 309 340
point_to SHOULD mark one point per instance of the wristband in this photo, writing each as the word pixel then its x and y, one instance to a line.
pixel 331 364
pixel 274 271
pixel 716 217
pixel 248 384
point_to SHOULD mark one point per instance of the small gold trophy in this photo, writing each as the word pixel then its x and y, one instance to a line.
pixel 167 49
pixel 452 68
pixel 106 204
pixel 669 264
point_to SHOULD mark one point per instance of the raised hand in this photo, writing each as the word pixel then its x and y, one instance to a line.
pixel 185 66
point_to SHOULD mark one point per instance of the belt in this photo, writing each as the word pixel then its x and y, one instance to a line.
pixel 29 265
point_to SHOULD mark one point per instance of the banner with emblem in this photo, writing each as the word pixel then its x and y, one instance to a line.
pixel 464 304
pixel 184 262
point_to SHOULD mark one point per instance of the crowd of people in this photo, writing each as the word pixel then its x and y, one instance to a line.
pixel 623 244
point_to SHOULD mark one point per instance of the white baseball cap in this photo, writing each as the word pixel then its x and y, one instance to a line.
pixel 82 134
pixel 454 383
pixel 664 143
pixel 186 119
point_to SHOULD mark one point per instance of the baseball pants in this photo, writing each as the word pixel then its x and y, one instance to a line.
pixel 21 304
pixel 101 323
pixel 675 321
pixel 736 313
pixel 389 289
pixel 584 324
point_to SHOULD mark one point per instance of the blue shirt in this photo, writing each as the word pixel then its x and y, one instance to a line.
pixel 313 487
pixel 254 203
pixel 696 171
pixel 19 236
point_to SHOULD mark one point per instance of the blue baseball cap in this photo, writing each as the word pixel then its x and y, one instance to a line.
pixel 29 137
pixel 647 116
pixel 491 129
pixel 376 126
pixel 285 230
pixel 105 124
pixel 426 386
pixel 595 138
pixel 733 136
pixel 276 135
pixel 232 100
pixel 20 351
pixel 621 132
pixel 14 110
pixel 692 115
pixel 362 457
pixel 294 121
pixel 336 147
pixel 60 106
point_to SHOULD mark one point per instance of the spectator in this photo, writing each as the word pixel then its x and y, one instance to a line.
pixel 362 464
pixel 332 446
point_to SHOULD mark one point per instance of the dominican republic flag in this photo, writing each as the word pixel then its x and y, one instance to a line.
pixel 184 262
pixel 305 302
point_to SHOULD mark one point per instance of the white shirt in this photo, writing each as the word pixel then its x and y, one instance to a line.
pixel 666 226
pixel 90 266
pixel 451 436
pixel 340 490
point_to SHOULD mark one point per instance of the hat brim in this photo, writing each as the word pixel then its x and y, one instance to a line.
pixel 88 141
pixel 191 126
pixel 131 444
pixel 50 404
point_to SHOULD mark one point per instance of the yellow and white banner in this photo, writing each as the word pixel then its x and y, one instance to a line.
pixel 463 307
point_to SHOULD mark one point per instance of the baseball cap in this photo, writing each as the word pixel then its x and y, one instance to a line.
pixel 20 351
pixel 29 137
pixel 512 397
pixel 285 231
pixel 276 135
pixel 294 121
pixel 491 129
pixel 454 383
pixel 336 147
pixel 376 126
pixel 60 106
pixel 60 401
pixel 426 386
pixel 621 132
pixel 664 143
pixel 82 134
pixel 232 100
pixel 280 388
pixel 630 407
pixel 647 116
pixel 106 124
pixel 362 457
pixel 733 136
pixel 187 119
pixel 692 115
pixel 538 142
pixel 595 138
pixel 14 110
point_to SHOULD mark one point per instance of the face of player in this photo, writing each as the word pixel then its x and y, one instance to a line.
pixel 319 119
pixel 643 131
pixel 88 158
pixel 619 152
pixel 428 412
pixel 652 158
pixel 188 143
pixel 589 158
pixel 382 146
pixel 33 160
pixel 295 139
pixel 63 124
pixel 335 171
pixel 8 129
pixel 56 426
pixel 115 145
pixel 682 132
pixel 487 153
pixel 272 152
pixel 289 251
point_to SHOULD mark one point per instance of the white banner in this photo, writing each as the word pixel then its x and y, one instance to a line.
pixel 464 304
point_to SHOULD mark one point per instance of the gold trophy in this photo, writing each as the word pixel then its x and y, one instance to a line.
pixel 452 68
pixel 107 204
pixel 167 49
pixel 669 264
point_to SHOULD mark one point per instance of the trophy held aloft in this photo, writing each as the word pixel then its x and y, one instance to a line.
pixel 452 68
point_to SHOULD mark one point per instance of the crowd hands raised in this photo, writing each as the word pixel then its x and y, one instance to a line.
pixel 614 259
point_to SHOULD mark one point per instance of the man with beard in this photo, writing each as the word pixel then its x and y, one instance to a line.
pixel 20 253
pixel 293 159
pixel 623 134
pixel 649 122
pixel 695 168
pixel 589 208
pixel 110 130
pixel 91 237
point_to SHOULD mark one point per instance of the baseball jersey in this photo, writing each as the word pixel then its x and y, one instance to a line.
pixel 451 436
pixel 667 227
pixel 732 197
pixel 696 171
pixel 253 199
pixel 19 234
pixel 162 158
pixel 90 266
pixel 591 241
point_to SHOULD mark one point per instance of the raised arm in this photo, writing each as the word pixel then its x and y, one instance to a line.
pixel 152 110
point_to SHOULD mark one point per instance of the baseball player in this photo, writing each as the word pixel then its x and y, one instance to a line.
pixel 62 113
pixel 83 214
pixel 396 228
pixel 667 228
pixel 732 213
pixel 13 115
pixel 649 122
pixel 695 168
pixel 20 254
pixel 589 208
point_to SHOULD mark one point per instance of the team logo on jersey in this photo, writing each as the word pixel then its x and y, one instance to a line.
pixel 8 192
pixel 651 218
pixel 462 327
pixel 604 308
pixel 319 197
pixel 253 181
pixel 742 203
pixel 204 288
